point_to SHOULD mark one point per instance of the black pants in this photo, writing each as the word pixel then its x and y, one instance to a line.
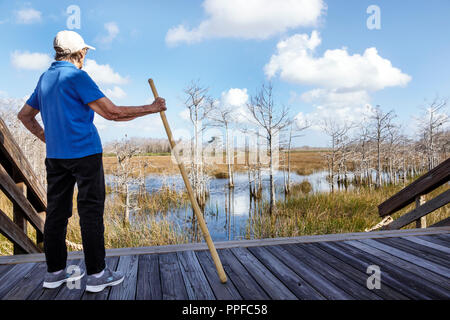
pixel 62 174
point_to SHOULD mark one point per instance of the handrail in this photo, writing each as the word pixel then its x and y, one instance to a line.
pixel 415 192
pixel 21 186
pixel 425 184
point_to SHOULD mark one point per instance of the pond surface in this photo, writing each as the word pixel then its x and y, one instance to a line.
pixel 227 212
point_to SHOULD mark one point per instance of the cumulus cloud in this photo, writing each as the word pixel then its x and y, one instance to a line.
pixel 112 30
pixel 237 100
pixel 116 93
pixel 108 79
pixel 250 19
pixel 30 61
pixel 28 16
pixel 103 73
pixel 344 81
pixel 296 62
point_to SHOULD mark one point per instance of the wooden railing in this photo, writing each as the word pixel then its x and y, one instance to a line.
pixel 21 186
pixel 416 192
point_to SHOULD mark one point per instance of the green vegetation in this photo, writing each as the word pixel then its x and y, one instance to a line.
pixel 329 213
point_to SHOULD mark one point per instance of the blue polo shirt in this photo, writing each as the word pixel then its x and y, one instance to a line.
pixel 62 96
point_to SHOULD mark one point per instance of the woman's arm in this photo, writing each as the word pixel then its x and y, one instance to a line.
pixel 28 117
pixel 108 110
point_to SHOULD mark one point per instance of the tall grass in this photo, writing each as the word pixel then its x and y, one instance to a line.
pixel 328 213
pixel 145 229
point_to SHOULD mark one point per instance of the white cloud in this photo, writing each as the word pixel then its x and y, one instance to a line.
pixel 28 16
pixel 249 19
pixel 103 73
pixel 30 61
pixel 344 81
pixel 235 97
pixel 112 30
pixel 296 62
pixel 115 93
pixel 237 100
pixel 336 98
pixel 185 115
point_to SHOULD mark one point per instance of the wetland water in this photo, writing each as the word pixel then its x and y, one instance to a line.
pixel 227 212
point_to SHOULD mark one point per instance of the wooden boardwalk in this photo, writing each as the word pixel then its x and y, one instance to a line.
pixel 414 264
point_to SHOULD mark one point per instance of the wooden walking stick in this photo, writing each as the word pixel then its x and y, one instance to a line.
pixel 195 206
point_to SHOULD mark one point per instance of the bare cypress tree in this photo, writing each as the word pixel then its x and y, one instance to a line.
pixel 337 132
pixel 124 151
pixel 199 104
pixel 431 125
pixel 381 123
pixel 272 120
pixel 222 116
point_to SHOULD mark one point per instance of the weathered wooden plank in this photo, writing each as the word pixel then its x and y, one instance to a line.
pixel 423 185
pixel 195 281
pixel 362 263
pixel 409 257
pixel 148 282
pixel 422 252
pixel 8 186
pixel 445 237
pixel 74 290
pixel 358 274
pixel 406 265
pixel 316 280
pixel 426 208
pixel 127 289
pixel 4 269
pixel 426 248
pixel 389 278
pixel 270 283
pixel 429 244
pixel 341 280
pixel 112 263
pixel 226 291
pixel 355 279
pixel 234 244
pixel 442 223
pixel 248 288
pixel 172 283
pixel 12 154
pixel 302 289
pixel 434 239
pixel 13 276
pixel 14 234
pixel 28 283
pixel 418 285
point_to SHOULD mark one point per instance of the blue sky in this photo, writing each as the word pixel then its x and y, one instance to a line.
pixel 324 68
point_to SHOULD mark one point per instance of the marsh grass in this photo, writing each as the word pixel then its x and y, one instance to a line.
pixel 161 201
pixel 146 229
pixel 329 213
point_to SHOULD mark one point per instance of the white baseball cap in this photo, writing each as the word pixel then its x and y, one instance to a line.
pixel 70 42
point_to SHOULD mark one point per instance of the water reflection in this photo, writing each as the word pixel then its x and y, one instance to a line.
pixel 227 212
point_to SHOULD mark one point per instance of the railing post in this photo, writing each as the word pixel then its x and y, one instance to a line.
pixel 39 234
pixel 19 217
pixel 422 222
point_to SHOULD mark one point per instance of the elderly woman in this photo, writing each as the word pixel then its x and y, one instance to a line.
pixel 67 98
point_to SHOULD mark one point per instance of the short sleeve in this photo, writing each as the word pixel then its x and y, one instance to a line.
pixel 86 88
pixel 33 101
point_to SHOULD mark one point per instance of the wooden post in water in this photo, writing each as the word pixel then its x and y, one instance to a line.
pixel 422 222
pixel 195 206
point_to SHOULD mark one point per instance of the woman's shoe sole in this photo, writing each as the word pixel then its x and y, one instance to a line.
pixel 54 285
pixel 103 286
